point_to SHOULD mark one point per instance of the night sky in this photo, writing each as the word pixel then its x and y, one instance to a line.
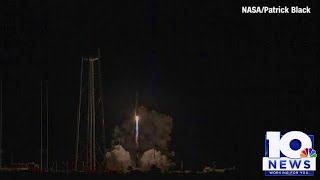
pixel 224 77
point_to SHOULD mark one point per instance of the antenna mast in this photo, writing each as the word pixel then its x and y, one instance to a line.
pixel 1 124
pixel 47 106
pixel 41 131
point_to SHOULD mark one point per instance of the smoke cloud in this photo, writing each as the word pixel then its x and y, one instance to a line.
pixel 118 159
pixel 153 157
pixel 154 133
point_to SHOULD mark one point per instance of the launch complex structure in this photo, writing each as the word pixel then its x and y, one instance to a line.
pixel 90 139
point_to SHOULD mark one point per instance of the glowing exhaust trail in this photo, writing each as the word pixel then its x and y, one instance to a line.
pixel 137 130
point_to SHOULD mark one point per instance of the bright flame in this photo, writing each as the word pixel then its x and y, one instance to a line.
pixel 137 129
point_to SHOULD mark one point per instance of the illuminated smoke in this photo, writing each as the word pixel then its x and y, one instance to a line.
pixel 151 131
pixel 153 157
pixel 118 159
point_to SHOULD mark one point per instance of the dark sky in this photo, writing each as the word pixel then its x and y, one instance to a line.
pixel 224 77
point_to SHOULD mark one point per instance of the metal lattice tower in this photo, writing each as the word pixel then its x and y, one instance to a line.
pixel 90 139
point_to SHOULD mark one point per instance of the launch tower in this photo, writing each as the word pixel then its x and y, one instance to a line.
pixel 90 138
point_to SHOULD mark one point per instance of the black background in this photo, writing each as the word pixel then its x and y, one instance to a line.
pixel 225 77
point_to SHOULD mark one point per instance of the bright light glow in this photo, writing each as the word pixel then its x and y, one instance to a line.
pixel 137 129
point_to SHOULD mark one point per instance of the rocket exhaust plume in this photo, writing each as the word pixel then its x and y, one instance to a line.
pixel 137 130
pixel 137 121
pixel 118 159
pixel 154 132
pixel 153 157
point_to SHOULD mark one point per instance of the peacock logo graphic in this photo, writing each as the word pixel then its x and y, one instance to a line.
pixel 308 153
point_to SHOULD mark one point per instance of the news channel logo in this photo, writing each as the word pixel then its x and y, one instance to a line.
pixel 291 154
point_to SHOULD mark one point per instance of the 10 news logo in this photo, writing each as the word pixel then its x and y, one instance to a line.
pixel 291 154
